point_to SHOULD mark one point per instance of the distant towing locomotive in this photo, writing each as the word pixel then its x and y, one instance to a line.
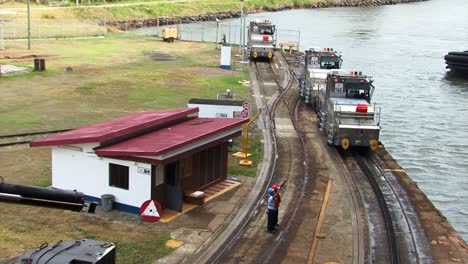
pixel 261 41
pixel 345 113
pixel 315 68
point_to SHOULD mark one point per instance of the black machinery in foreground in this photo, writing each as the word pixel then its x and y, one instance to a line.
pixel 84 251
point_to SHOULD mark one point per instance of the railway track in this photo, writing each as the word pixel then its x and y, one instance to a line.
pixel 25 138
pixel 216 250
pixel 383 228
pixel 409 235
pixel 252 241
pixel 396 234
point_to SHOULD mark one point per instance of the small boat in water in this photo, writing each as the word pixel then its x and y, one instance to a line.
pixel 457 62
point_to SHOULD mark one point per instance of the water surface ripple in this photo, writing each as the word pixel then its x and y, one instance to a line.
pixel 424 114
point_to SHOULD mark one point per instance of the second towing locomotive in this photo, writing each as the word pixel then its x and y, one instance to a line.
pixel 345 113
pixel 341 100
pixel 317 64
pixel 261 41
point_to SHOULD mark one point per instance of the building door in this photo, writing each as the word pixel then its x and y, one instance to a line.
pixel 158 188
pixel 173 179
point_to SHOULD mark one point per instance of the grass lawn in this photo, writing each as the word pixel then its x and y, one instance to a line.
pixel 122 10
pixel 109 77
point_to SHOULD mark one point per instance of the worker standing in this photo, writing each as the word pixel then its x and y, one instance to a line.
pixel 272 211
pixel 277 199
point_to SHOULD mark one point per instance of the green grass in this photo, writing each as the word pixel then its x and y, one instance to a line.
pixel 131 252
pixel 31 226
pixel 140 9
pixel 110 77
pixel 255 148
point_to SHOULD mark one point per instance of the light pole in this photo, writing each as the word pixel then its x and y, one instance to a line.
pixel 2 46
pixel 240 29
pixel 242 32
pixel 29 24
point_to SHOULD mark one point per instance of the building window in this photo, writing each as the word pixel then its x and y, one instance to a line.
pixel 221 115
pixel 118 176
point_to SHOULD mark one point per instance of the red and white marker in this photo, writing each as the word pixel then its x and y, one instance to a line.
pixel 149 211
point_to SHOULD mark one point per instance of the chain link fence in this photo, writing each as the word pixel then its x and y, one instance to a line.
pixel 14 29
pixel 17 28
pixel 214 32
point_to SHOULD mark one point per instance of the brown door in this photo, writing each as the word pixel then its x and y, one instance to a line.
pixel 158 192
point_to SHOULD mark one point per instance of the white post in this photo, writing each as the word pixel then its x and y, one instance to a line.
pixel 2 46
pixel 29 24
pixel 217 30
pixel 240 27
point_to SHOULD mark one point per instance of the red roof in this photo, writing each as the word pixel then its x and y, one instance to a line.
pixel 173 137
pixel 115 128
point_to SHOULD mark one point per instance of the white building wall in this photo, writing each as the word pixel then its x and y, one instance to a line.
pixel 89 174
pixel 206 110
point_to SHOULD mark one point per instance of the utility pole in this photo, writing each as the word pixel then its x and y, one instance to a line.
pixel 2 46
pixel 242 39
pixel 240 29
pixel 29 24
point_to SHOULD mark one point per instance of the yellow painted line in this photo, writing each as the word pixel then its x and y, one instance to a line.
pixel 235 185
pixel 174 243
pixel 193 206
pixel 185 210
pixel 320 221
pixel 397 170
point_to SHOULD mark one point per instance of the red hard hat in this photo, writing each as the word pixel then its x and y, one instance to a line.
pixel 274 187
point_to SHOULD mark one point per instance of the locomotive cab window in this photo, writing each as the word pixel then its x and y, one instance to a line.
pixel 266 30
pixel 118 176
pixel 355 91
pixel 329 65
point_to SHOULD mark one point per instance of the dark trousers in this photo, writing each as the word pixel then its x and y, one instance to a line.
pixel 276 218
pixel 272 219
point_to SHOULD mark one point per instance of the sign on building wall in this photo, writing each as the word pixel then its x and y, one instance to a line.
pixel 142 170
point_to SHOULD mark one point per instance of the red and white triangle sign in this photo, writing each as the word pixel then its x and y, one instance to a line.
pixel 150 211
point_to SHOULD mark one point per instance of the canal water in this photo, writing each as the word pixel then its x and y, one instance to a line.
pixel 424 113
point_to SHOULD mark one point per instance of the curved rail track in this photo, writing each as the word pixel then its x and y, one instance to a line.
pixel 25 138
pixel 252 240
pixel 365 198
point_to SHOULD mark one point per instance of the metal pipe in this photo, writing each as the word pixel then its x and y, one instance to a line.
pixel 15 198
pixel 42 193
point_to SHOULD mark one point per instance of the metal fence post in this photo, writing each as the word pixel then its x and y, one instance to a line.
pixel 217 30
pixel 203 32
pixel 179 30
pixel 14 31
pixel 157 27
pixel 299 39
pixel 2 46
pixel 40 26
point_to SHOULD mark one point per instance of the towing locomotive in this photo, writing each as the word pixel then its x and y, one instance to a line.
pixel 345 113
pixel 315 68
pixel 261 41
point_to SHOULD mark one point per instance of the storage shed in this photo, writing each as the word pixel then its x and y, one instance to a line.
pixel 157 155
